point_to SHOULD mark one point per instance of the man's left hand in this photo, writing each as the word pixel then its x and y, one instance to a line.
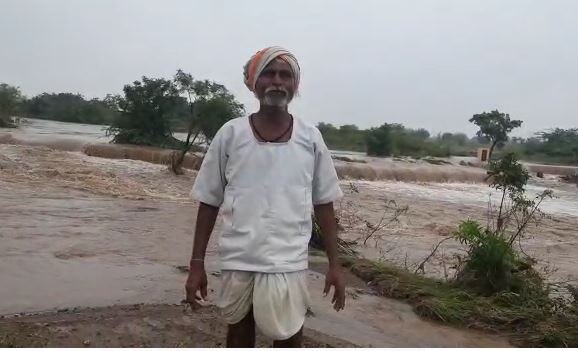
pixel 335 277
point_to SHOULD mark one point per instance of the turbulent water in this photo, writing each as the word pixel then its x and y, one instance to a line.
pixel 40 131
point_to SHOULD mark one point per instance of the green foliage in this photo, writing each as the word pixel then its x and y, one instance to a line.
pixel 529 317
pixel 492 264
pixel 74 108
pixel 210 105
pixel 215 112
pixel 395 139
pixel 495 126
pixel 10 104
pixel 490 260
pixel 561 143
pixel 145 113
pixel 380 141
pixel 347 137
pixel 556 146
pixel 508 174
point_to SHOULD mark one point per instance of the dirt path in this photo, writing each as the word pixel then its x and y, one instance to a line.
pixel 132 326
pixel 368 321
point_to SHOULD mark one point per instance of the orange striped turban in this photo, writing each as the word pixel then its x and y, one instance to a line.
pixel 262 58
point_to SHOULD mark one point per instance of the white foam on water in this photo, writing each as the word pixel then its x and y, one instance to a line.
pixel 565 201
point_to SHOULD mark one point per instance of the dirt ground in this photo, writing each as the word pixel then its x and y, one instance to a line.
pixel 139 325
pixel 368 321
pixel 132 326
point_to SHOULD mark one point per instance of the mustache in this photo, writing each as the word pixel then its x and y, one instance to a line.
pixel 277 89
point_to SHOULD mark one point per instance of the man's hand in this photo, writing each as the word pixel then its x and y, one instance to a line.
pixel 197 281
pixel 335 277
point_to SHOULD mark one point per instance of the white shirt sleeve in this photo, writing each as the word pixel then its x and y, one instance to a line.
pixel 325 182
pixel 210 183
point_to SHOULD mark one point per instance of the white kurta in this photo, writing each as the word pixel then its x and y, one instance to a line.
pixel 266 192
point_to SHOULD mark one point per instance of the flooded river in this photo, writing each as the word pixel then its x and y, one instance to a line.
pixel 86 231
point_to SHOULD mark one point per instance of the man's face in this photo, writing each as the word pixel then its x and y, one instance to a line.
pixel 275 85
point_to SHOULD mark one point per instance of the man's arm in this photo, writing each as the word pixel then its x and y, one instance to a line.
pixel 206 217
pixel 326 219
pixel 197 279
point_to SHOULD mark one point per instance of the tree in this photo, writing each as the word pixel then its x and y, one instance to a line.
pixel 508 176
pixel 495 126
pixel 379 141
pixel 348 128
pixel 561 142
pixel 422 133
pixel 210 105
pixel 146 110
pixel 68 107
pixel 10 103
pixel 326 127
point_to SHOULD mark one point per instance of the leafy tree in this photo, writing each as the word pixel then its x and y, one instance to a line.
pixel 10 103
pixel 422 134
pixel 495 126
pixel 145 113
pixel 348 128
pixel 379 140
pixel 210 105
pixel 325 127
pixel 508 176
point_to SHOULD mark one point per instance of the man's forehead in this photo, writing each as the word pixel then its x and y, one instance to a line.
pixel 278 64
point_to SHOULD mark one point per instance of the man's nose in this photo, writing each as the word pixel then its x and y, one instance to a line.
pixel 277 79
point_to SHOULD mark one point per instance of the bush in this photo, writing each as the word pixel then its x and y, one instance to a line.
pixel 492 265
pixel 490 260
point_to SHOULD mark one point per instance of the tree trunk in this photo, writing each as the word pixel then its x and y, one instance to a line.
pixel 491 150
pixel 178 161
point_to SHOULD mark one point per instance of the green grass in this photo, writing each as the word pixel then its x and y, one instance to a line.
pixel 531 320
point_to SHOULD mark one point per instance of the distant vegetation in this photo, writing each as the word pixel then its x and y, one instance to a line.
pixel 10 104
pixel 556 146
pixel 396 140
pixel 148 113
pixel 68 107
pixel 151 110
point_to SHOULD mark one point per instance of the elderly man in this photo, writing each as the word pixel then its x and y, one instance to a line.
pixel 265 173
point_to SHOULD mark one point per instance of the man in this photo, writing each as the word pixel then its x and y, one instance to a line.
pixel 265 173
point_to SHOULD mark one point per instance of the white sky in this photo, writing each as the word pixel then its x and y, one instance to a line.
pixel 430 64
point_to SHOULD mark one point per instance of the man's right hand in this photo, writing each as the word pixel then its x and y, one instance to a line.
pixel 196 281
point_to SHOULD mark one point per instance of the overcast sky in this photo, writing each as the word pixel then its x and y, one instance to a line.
pixel 430 64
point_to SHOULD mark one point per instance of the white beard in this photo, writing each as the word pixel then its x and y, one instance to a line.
pixel 275 100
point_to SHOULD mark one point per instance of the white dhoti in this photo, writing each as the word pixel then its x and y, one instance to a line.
pixel 279 300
